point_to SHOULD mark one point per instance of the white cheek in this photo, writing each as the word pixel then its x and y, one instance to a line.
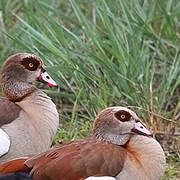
pixel 4 142
pixel 100 178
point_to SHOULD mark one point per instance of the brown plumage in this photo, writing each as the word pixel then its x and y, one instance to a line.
pixel 9 111
pixel 28 117
pixel 120 147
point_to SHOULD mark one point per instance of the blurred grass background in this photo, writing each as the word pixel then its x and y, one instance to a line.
pixel 104 53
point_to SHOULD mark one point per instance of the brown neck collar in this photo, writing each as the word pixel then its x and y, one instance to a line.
pixel 17 91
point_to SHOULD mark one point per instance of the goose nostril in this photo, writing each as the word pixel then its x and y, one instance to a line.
pixel 47 77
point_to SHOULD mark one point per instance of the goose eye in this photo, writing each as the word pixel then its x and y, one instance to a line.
pixel 123 116
pixel 31 65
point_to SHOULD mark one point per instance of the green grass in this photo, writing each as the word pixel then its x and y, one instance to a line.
pixel 101 53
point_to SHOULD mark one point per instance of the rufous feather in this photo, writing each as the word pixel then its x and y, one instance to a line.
pixel 14 166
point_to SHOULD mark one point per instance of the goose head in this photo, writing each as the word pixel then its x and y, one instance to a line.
pixel 18 73
pixel 118 124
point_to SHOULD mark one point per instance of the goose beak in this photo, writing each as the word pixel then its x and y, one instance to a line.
pixel 46 78
pixel 139 128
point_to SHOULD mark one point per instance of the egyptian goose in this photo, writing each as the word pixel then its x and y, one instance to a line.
pixel 28 117
pixel 121 147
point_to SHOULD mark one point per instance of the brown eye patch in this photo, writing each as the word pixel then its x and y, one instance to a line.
pixel 30 63
pixel 123 115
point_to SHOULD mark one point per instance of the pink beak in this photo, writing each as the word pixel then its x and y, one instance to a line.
pixel 46 78
pixel 139 128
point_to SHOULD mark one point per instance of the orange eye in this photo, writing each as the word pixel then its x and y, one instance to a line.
pixel 31 65
pixel 123 116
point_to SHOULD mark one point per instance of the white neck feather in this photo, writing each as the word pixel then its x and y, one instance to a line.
pixel 145 159
pixel 112 138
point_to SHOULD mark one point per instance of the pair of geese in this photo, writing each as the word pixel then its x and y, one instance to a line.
pixel 121 147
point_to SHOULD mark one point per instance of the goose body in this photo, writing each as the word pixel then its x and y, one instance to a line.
pixel 121 147
pixel 28 116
